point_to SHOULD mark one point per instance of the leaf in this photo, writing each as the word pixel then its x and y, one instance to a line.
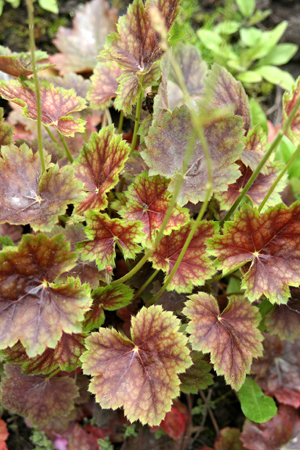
pixel 33 307
pixel 3 434
pixel 64 356
pixel 281 54
pixel 284 320
pixel 270 242
pixel 49 5
pixel 229 439
pixel 255 405
pixel 223 90
pixel 276 76
pixel 79 439
pixel 109 298
pixel 247 8
pixel 72 81
pixel 175 422
pixel 195 266
pixel 288 103
pixel 80 45
pixel 278 370
pixel 141 373
pixel 37 397
pixel 255 148
pixel 104 233
pixel 29 197
pixel 98 167
pixel 273 434
pixel 231 337
pixel 57 104
pixel 197 376
pixel 104 84
pixel 6 131
pixel 16 64
pixel 147 200
pixel 166 147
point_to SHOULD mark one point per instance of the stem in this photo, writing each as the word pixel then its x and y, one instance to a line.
pixel 121 119
pixel 85 137
pixel 109 119
pixel 137 115
pixel 273 147
pixel 211 415
pixel 223 275
pixel 284 170
pixel 68 153
pixel 52 135
pixel 145 285
pixel 52 374
pixel 36 83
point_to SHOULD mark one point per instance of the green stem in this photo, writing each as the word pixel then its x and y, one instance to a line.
pixel 52 374
pixel 273 147
pixel 121 120
pixel 85 137
pixel 223 275
pixel 52 136
pixel 109 119
pixel 137 115
pixel 145 285
pixel 284 170
pixel 68 153
pixel 36 82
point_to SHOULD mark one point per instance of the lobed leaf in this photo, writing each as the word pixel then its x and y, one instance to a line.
pixel 29 197
pixel 141 373
pixel 37 397
pixel 195 266
pixel 231 337
pixel 98 167
pixel 270 242
pixel 104 233
pixel 147 200
pixel 35 309
pixel 166 147
pixel 16 64
pixel 104 84
pixel 57 104
pixel 197 376
pixel 255 148
pixel 6 131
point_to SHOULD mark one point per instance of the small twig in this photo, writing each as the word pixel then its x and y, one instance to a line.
pixel 211 415
pixel 201 427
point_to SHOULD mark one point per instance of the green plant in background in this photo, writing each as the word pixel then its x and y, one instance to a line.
pixel 48 5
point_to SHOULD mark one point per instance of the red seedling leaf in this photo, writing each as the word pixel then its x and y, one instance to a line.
pixel 148 201
pixel 229 439
pixel 223 90
pixel 284 320
pixel 278 370
pixel 195 266
pixel 80 46
pixel 37 397
pixel 289 101
pixel 197 376
pixel 16 64
pixel 29 197
pixel 141 373
pixel 231 337
pixel 6 131
pixel 57 104
pixel 167 145
pixel 104 84
pixel 104 233
pixel 174 424
pixel 98 167
pixel 65 356
pixel 33 307
pixel 273 434
pixel 271 242
pixel 110 298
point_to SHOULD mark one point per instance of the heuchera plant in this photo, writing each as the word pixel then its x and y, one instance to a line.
pixel 189 203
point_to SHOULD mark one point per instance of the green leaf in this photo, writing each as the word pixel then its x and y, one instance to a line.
pixel 5 241
pixel 227 27
pixel 284 151
pixel 49 5
pixel 197 376
pixel 247 7
pixel 255 405
pixel 250 36
pixel 281 54
pixel 276 76
pixel 250 76
pixel 266 42
pixel 257 115
pixel 259 16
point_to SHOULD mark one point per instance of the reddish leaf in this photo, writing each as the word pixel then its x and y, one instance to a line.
pixel 167 146
pixel 109 298
pixel 6 131
pixel 284 320
pixel 12 231
pixel 104 84
pixel 29 197
pixel 37 397
pixel 271 243
pixel 17 64
pixel 141 373
pixel 174 424
pixel 229 439
pixel 72 81
pixel 104 233
pixel 98 167
pixel 231 336
pixel 3 435
pixel 197 376
pixel 148 201
pixel 57 104
pixel 274 433
pixel 195 266
pixel 289 102
pixel 278 371
pixel 223 90
pixel 79 439
pixel 255 148
pixel 34 309
pixel 80 46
